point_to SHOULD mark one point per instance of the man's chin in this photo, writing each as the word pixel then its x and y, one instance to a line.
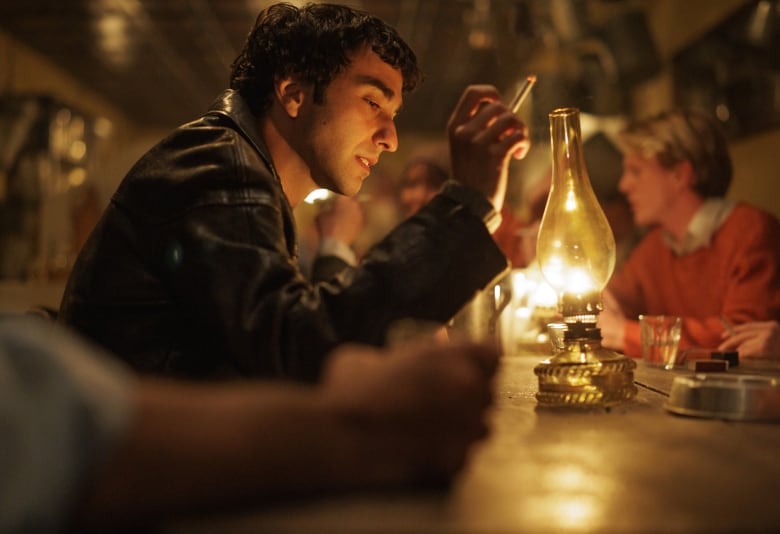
pixel 645 224
pixel 350 189
pixel 640 221
pixel 349 186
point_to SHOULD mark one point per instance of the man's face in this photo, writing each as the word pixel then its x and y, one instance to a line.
pixel 347 132
pixel 651 189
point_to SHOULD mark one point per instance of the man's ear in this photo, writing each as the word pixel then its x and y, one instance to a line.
pixel 684 174
pixel 290 94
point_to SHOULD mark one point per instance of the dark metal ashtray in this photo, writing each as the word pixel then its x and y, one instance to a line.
pixel 734 397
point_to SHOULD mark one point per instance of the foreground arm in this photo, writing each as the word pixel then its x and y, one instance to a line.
pixel 411 417
pixel 62 410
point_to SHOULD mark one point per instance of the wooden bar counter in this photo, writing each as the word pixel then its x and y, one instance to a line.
pixel 631 468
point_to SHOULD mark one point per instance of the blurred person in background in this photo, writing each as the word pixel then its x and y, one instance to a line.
pixel 425 173
pixel 344 228
pixel 341 223
pixel 705 258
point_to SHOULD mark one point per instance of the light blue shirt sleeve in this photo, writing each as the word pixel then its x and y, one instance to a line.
pixel 63 405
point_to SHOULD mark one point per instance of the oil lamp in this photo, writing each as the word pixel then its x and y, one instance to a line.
pixel 576 254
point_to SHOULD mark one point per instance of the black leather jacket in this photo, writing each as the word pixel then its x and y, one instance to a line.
pixel 192 269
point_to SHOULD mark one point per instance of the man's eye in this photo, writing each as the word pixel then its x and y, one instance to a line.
pixel 373 104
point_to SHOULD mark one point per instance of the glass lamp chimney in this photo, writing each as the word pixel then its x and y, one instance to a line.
pixel 575 247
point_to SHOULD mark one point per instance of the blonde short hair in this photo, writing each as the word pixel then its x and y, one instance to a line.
pixel 676 136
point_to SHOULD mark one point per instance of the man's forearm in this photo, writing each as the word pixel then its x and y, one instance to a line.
pixel 191 447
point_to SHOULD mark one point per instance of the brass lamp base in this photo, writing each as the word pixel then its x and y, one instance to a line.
pixel 585 374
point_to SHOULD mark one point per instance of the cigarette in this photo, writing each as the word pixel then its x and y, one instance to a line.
pixel 523 93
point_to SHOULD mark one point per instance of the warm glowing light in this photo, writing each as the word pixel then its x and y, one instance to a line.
pixel 77 150
pixel 545 296
pixel 571 511
pixel 575 511
pixel 317 195
pixel 103 127
pixel 113 30
pixel 555 271
pixel 567 477
pixel 77 176
pixel 579 281
pixel 575 499
pixel 480 23
pixel 532 306
pixel 571 201
pixel 529 287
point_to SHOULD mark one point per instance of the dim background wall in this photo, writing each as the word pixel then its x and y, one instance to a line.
pixel 675 25
pixel 23 71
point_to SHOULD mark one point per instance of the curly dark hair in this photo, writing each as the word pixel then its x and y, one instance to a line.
pixel 313 42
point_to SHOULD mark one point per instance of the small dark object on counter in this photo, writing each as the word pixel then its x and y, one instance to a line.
pixel 730 356
pixel 708 366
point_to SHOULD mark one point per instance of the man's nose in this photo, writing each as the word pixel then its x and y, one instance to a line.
pixel 387 136
pixel 623 184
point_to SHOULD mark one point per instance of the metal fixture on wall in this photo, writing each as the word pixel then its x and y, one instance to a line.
pixel 480 25
pixel 733 72
pixel 48 203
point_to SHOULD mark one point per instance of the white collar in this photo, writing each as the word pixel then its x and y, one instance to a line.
pixel 704 223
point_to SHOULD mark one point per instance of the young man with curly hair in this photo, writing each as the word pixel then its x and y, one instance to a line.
pixel 192 269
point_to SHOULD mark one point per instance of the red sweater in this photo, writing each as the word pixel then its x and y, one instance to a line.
pixel 737 276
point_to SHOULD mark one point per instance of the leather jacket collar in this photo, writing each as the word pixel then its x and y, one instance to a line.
pixel 233 106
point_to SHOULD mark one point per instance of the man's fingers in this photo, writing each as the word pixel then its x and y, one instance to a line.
pixel 751 327
pixel 470 103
